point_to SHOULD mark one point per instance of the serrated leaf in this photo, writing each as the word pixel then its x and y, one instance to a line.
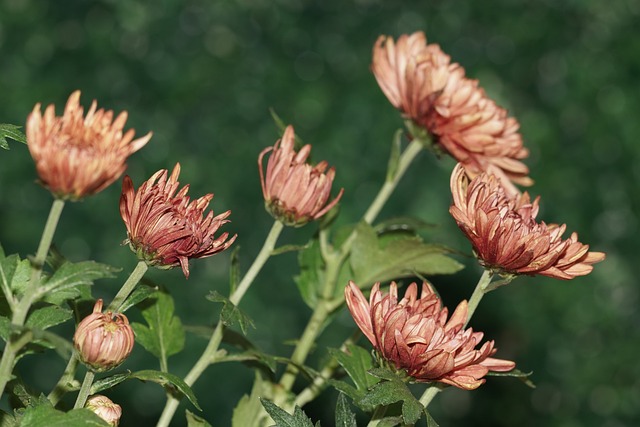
pixel 283 419
pixel 344 416
pixel 231 315
pixel 47 416
pixel 515 373
pixel 46 317
pixel 108 382
pixel 387 392
pixel 139 294
pixel 194 420
pixel 392 256
pixel 311 272
pixel 11 132
pixel 166 380
pixel 14 275
pixel 357 362
pixel 65 282
pixel 164 335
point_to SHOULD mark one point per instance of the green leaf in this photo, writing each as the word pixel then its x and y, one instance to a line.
pixel 395 255
pixel 311 274
pixel 515 373
pixel 46 416
pixel 394 157
pixel 283 419
pixel 165 335
pixel 12 132
pixel 14 275
pixel 195 421
pixel 251 356
pixel 288 248
pixel 139 294
pixel 344 416
pixel 357 362
pixel 430 421
pixel 108 382
pixel 248 408
pixel 48 316
pixel 388 392
pixel 402 223
pixel 231 314
pixel 66 281
pixel 5 327
pixel 167 380
pixel 234 269
pixel 7 420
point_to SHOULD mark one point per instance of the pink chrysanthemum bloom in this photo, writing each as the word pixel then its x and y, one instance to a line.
pixel 420 81
pixel 77 156
pixel 104 407
pixel 505 235
pixel 413 334
pixel 103 340
pixel 166 229
pixel 294 191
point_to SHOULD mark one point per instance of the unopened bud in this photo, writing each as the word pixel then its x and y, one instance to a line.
pixel 103 340
pixel 103 407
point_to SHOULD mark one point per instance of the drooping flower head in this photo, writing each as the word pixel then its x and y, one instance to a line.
pixel 414 334
pixel 77 155
pixel 165 228
pixel 103 340
pixel 420 81
pixel 294 191
pixel 104 407
pixel 505 235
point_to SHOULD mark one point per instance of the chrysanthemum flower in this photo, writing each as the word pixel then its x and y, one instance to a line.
pixel 78 156
pixel 166 229
pixel 419 80
pixel 413 334
pixel 294 191
pixel 104 407
pixel 505 235
pixel 103 340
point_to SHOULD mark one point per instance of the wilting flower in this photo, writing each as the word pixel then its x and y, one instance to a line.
pixel 294 191
pixel 505 235
pixel 77 156
pixel 419 80
pixel 103 407
pixel 103 340
pixel 413 334
pixel 165 228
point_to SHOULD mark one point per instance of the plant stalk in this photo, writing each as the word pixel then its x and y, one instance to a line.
pixel 128 286
pixel 84 389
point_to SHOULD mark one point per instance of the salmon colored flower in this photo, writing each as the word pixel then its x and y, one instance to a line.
pixel 413 334
pixel 79 155
pixel 103 407
pixel 419 80
pixel 103 340
pixel 166 229
pixel 294 191
pixel 505 235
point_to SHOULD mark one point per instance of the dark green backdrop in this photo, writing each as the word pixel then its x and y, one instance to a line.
pixel 203 74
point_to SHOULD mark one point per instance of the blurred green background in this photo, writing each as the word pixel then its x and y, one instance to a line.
pixel 202 76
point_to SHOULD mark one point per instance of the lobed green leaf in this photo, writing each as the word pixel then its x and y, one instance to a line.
pixel 164 336
pixel 168 381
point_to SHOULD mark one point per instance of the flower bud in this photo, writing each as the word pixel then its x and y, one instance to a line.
pixel 103 340
pixel 103 407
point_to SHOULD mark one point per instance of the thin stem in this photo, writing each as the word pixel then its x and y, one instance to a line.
pixel 62 386
pixel 478 293
pixel 377 416
pixel 429 394
pixel 22 309
pixel 208 355
pixel 126 289
pixel 84 389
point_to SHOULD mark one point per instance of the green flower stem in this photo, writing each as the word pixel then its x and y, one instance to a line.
pixel 22 309
pixel 429 394
pixel 129 285
pixel 478 293
pixel 333 266
pixel 209 353
pixel 62 386
pixel 84 389
pixel 377 416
